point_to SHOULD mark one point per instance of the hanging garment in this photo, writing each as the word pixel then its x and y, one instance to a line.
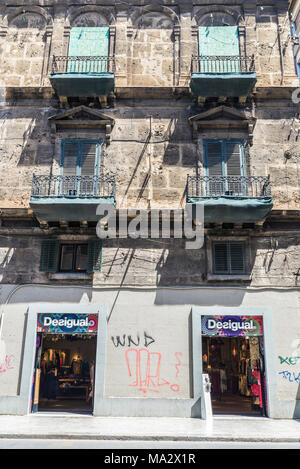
pixel 223 381
pixel 216 384
pixel 256 386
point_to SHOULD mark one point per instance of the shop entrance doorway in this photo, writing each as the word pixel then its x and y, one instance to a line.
pixel 233 357
pixel 64 373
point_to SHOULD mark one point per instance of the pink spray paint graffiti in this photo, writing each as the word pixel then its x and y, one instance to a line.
pixel 7 363
pixel 177 355
pixel 145 368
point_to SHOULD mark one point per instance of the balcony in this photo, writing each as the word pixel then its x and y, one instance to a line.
pixel 216 76
pixel 231 199
pixel 83 76
pixel 70 198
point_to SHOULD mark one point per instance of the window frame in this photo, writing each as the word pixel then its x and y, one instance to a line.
pixel 224 26
pixel 80 142
pixel 210 272
pixel 228 258
pixel 224 142
pixel 74 258
pixel 50 256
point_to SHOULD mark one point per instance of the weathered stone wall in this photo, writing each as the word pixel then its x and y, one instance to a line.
pixel 152 48
pixel 151 151
pixel 273 260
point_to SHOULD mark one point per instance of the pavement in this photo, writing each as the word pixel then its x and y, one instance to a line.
pixel 86 427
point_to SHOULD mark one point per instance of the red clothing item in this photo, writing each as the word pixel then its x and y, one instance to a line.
pixel 256 388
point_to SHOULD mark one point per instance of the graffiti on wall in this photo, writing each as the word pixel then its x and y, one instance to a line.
pixel 290 375
pixel 288 360
pixel 144 369
pixel 128 341
pixel 7 364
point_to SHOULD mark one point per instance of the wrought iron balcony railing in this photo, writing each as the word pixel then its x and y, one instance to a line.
pixel 88 64
pixel 228 186
pixel 222 64
pixel 73 187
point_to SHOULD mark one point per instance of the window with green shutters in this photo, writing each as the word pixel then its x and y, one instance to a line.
pixel 229 258
pixel 86 43
pixel 224 164
pixel 80 157
pixel 94 255
pixel 68 257
pixel 79 164
pixel 49 253
pixel 215 43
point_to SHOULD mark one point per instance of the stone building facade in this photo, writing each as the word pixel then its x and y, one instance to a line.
pixel 163 112
pixel 295 18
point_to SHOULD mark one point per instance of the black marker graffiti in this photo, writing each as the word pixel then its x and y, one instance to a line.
pixel 128 341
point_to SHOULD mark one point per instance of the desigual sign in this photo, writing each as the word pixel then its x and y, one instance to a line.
pixel 232 326
pixel 67 323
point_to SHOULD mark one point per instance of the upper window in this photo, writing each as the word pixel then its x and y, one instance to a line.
pixel 229 258
pixel 87 43
pixel 224 157
pixel 66 257
pixel 79 165
pixel 219 40
pixel 224 164
pixel 73 258
pixel 80 157
pixel 219 49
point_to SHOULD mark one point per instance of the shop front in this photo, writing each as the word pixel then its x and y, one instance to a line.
pixel 64 371
pixel 233 357
pixel 64 358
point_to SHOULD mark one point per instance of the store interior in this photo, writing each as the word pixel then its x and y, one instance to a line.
pixel 236 370
pixel 67 370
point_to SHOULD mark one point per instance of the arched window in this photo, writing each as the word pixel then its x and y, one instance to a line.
pixel 218 43
pixel 25 49
pixel 89 43
pixel 153 50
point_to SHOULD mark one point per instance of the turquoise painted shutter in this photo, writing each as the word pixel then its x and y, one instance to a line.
pixel 233 159
pixel 214 167
pixel 220 258
pixel 237 258
pixel 229 258
pixel 49 253
pixel 214 161
pixel 94 255
pixel 234 166
pixel 69 162
pixel 88 42
pixel 89 167
pixel 219 41
pixel 89 158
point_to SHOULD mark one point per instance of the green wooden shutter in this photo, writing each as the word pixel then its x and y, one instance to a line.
pixel 88 42
pixel 237 258
pixel 70 158
pixel 233 159
pixel 89 158
pixel 229 258
pixel 220 258
pixel 89 167
pixel 214 160
pixel 214 168
pixel 49 253
pixel 219 41
pixel 234 166
pixel 94 255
